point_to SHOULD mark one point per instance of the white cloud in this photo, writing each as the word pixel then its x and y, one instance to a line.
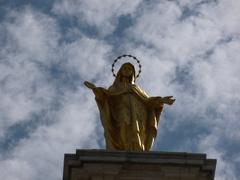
pixel 33 34
pixel 225 15
pixel 225 166
pixel 86 56
pixel 30 39
pixel 102 14
pixel 194 58
pixel 41 155
pixel 31 50
pixel 188 3
pixel 175 39
pixel 195 44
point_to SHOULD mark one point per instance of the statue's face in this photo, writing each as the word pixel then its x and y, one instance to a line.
pixel 127 70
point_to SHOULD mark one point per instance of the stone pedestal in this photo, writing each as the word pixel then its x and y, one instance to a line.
pixel 122 165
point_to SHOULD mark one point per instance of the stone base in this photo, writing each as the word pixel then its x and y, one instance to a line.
pixel 122 165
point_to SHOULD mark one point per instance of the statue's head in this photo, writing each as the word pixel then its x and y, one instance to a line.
pixel 127 70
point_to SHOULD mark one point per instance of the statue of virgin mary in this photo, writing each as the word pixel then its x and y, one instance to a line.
pixel 129 116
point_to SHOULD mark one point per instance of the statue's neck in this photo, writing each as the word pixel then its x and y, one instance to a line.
pixel 125 80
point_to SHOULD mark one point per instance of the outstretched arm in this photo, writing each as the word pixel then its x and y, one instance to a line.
pixel 89 85
pixel 168 100
pixel 159 101
pixel 98 91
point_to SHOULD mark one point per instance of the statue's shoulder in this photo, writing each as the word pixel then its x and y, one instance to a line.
pixel 140 90
pixel 112 88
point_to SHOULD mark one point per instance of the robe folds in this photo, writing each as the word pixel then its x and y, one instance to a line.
pixel 129 117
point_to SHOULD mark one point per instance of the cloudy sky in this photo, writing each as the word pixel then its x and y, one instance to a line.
pixel 188 49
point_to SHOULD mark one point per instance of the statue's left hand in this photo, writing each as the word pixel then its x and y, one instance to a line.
pixel 168 100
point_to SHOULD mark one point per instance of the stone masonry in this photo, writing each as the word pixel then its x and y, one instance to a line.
pixel 122 165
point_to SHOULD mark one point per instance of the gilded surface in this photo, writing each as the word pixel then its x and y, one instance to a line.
pixel 129 116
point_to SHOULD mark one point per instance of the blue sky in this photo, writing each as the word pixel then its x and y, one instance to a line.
pixel 188 49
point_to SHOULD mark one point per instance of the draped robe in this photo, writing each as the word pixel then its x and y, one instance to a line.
pixel 129 117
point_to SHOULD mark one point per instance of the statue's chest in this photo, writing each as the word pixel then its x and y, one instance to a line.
pixel 128 106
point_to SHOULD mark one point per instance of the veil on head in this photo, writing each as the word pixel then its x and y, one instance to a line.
pixel 118 77
pixel 132 78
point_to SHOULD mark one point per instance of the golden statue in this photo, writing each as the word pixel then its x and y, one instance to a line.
pixel 129 116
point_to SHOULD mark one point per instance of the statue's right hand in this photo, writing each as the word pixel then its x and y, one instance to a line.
pixel 89 85
pixel 98 91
